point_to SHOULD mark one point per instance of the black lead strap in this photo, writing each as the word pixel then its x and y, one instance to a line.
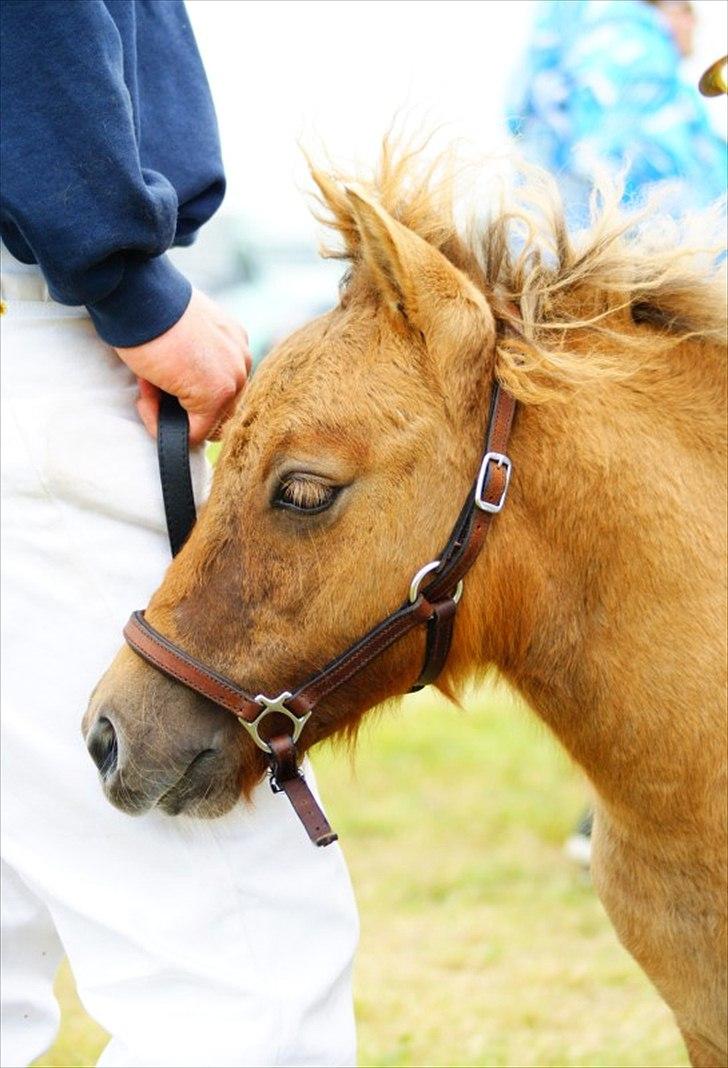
pixel 173 450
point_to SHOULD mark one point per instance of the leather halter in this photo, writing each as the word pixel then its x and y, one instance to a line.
pixel 275 723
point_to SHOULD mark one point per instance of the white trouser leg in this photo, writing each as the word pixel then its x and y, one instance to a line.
pixel 31 953
pixel 227 942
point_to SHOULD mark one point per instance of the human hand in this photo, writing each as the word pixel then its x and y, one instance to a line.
pixel 203 360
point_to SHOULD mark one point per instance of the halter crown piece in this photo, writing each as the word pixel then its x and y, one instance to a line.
pixel 275 723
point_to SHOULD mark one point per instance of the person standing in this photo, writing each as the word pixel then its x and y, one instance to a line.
pixel 192 943
pixel 601 90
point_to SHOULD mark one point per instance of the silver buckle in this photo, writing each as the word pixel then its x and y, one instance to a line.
pixel 501 460
pixel 414 589
pixel 273 704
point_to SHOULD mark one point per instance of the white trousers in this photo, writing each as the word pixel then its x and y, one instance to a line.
pixel 228 942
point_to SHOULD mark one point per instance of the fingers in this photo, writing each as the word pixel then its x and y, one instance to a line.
pixel 215 432
pixel 208 411
pixel 207 425
pixel 148 405
pixel 199 428
pixel 246 360
pixel 247 355
pixel 219 401
pixel 203 360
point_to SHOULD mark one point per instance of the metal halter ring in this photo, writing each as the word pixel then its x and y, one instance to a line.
pixel 273 704
pixel 414 589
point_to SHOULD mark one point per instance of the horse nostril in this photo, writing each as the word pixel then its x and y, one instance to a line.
pixel 102 745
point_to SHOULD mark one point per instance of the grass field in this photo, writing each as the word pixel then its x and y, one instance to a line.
pixel 481 944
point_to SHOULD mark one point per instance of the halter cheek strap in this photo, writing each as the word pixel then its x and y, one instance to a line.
pixel 276 723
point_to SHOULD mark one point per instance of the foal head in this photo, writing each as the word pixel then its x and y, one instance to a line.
pixel 345 465
pixel 341 474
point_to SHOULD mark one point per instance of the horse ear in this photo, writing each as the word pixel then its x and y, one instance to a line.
pixel 333 198
pixel 420 286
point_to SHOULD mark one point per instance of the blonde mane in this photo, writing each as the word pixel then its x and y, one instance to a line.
pixel 627 270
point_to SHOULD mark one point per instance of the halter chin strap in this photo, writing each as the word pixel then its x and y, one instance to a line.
pixel 276 723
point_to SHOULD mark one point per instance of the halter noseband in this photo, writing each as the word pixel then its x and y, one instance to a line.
pixel 275 723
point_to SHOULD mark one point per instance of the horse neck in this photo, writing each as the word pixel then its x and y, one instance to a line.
pixel 600 593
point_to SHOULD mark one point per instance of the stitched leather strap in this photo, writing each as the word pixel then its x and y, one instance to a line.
pixel 179 665
pixel 174 662
pixel 361 654
pixel 466 539
pixel 285 775
pixel 286 778
pixel 437 647
pixel 174 470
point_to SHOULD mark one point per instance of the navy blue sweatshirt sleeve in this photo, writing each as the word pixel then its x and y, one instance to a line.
pixel 76 195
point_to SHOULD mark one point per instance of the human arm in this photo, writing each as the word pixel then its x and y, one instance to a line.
pixel 74 191
pixel 76 198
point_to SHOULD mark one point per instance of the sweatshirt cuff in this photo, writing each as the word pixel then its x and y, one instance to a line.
pixel 151 296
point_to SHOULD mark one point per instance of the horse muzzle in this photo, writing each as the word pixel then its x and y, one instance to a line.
pixel 157 744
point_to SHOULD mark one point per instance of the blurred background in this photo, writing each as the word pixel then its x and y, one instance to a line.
pixel 483 942
pixel 331 75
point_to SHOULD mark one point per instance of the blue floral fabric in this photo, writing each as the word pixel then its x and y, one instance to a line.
pixel 602 87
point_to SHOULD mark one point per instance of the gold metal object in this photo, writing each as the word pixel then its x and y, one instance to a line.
pixel 715 80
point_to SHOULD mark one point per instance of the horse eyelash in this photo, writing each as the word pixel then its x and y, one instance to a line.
pixel 307 496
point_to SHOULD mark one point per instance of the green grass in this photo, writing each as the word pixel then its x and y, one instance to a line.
pixel 481 944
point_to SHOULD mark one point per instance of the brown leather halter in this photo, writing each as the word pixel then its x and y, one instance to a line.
pixel 275 723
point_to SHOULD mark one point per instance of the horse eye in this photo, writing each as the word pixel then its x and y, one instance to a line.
pixel 305 494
